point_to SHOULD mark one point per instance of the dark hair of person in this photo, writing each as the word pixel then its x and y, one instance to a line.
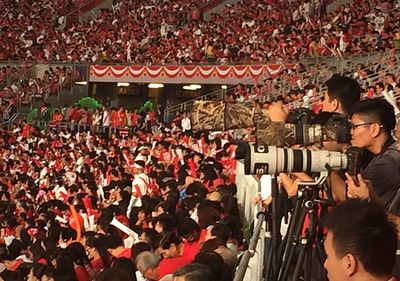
pixel 173 199
pixel 163 205
pixel 113 274
pixel 169 238
pixel 138 248
pixel 15 248
pixel 230 206
pixel 380 84
pixel 376 110
pixel 196 188
pixel 152 237
pixel 78 254
pixel 215 263
pixel 133 216
pixel 212 244
pixel 39 270
pixel 23 270
pixel 99 243
pixel 235 228
pixel 37 251
pixel 363 229
pixel 114 241
pixel 221 231
pixel 195 272
pixel 188 229
pixel 68 233
pixel 127 265
pixel 166 221
pixel 346 90
pixel 64 267
pixel 207 216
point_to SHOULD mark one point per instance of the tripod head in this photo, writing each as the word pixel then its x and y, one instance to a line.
pixel 309 190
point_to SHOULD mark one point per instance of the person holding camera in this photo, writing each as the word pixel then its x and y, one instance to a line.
pixel 341 94
pixel 372 122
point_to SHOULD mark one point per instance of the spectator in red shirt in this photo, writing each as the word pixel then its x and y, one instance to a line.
pixel 171 248
pixel 26 130
pixel 120 117
pixel 116 247
pixel 190 231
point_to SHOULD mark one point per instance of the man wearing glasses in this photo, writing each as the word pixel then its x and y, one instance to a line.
pixel 372 123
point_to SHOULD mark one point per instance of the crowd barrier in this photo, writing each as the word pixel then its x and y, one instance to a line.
pixel 251 266
pixel 76 127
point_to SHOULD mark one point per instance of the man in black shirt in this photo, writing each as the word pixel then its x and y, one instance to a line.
pixel 372 122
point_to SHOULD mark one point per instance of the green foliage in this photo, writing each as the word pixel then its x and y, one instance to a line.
pixel 89 102
pixel 47 114
pixel 146 107
pixel 33 115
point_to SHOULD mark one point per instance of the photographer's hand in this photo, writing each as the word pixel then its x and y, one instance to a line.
pixel 277 112
pixel 360 189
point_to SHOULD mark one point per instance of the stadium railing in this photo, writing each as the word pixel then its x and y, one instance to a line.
pixel 45 125
pixel 251 263
pixel 326 64
pixel 9 122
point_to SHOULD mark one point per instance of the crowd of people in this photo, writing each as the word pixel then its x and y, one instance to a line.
pixel 62 190
pixel 81 203
pixel 20 86
pixel 160 32
pixel 87 199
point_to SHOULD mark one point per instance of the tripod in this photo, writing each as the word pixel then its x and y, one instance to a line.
pixel 308 241
pixel 297 242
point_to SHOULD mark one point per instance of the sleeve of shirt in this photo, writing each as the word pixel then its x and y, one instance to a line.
pixel 384 176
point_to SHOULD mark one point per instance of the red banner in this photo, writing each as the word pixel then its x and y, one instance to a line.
pixel 189 71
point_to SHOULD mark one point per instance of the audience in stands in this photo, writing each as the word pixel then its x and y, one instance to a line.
pixel 101 199
pixel 159 32
pixel 62 191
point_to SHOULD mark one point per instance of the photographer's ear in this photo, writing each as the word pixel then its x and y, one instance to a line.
pixel 349 264
pixel 335 105
pixel 375 129
pixel 330 104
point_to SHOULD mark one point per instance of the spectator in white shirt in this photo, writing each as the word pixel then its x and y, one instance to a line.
pixel 186 123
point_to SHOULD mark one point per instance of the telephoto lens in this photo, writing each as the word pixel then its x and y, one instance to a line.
pixel 260 160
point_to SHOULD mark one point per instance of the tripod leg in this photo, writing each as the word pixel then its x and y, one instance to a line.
pixel 308 264
pixel 275 224
pixel 292 242
pixel 268 258
pixel 302 257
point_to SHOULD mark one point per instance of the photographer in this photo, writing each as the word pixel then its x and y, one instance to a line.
pixel 342 92
pixel 372 122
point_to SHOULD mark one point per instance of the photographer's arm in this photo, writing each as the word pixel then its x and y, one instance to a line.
pixel 290 184
pixel 338 187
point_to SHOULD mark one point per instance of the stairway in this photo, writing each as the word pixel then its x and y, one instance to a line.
pixel 332 5
pixel 215 7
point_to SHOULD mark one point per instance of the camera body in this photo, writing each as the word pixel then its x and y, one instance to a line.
pixel 304 129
